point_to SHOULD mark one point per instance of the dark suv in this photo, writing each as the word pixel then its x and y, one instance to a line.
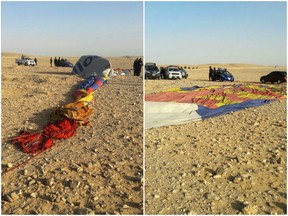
pixel 152 71
pixel 275 76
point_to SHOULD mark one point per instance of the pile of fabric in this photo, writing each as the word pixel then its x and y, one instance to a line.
pixel 65 120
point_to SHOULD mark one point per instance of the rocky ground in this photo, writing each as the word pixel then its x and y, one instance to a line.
pixel 97 171
pixel 231 164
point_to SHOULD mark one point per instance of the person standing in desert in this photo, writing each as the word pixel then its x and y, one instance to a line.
pixel 135 66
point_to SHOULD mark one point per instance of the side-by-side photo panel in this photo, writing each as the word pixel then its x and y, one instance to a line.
pixel 72 108
pixel 215 108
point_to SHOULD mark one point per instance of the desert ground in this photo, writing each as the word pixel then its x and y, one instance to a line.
pixel 97 171
pixel 231 164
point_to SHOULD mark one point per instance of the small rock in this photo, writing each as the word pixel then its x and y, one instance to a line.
pixel 11 197
pixel 125 206
pixel 246 175
pixel 25 172
pixel 89 165
pixel 217 176
pixel 8 198
pixel 274 185
pixel 156 196
pixel 237 178
pixel 51 197
pixel 271 204
pixel 14 196
pixel 74 184
pixel 249 210
pixel 211 196
pixel 34 212
pixel 134 178
pixel 79 169
pixel 183 174
pixel 34 195
pixel 31 182
pixel 220 170
pixel 49 181
pixel 256 123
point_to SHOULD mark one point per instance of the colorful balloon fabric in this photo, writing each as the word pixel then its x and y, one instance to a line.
pixel 92 65
pixel 65 120
pixel 181 105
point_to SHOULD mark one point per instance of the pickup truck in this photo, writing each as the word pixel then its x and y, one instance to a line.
pixel 173 72
pixel 25 61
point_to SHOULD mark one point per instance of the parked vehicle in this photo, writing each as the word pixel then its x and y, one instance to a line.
pixel 222 74
pixel 65 63
pixel 173 72
pixel 275 76
pixel 25 61
pixel 152 71
pixel 184 73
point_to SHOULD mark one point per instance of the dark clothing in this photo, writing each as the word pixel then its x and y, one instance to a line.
pixel 211 74
pixel 162 72
pixel 51 62
pixel 138 67
pixel 35 61
pixel 214 74
pixel 135 66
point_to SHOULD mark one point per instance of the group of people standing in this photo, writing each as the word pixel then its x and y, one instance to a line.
pixel 57 62
pixel 137 66
pixel 212 74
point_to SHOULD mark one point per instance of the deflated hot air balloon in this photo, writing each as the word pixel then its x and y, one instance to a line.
pixel 182 105
pixel 65 120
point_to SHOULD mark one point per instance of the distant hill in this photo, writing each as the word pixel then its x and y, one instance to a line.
pixel 10 54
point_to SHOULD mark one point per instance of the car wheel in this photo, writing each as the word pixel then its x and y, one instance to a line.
pixel 262 80
pixel 221 79
pixel 278 81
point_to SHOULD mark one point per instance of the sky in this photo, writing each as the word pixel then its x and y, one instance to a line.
pixel 72 28
pixel 216 32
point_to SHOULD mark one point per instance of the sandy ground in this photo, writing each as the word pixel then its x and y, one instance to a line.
pixel 97 171
pixel 231 164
